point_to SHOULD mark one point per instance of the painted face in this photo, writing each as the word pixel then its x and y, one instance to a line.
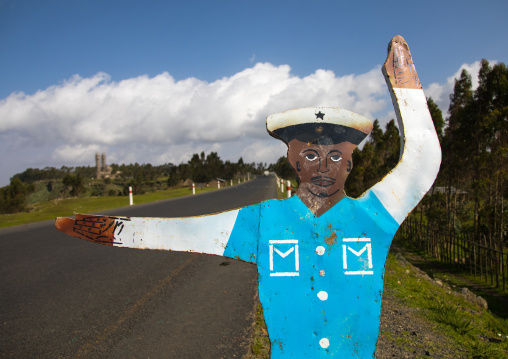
pixel 322 169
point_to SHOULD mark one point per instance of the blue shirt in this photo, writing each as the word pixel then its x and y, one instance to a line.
pixel 320 278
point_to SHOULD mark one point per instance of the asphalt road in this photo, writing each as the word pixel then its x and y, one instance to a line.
pixel 61 297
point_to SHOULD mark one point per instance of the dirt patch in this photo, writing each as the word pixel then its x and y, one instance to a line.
pixel 405 334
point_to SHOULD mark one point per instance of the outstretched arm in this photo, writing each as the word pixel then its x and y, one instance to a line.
pixel 204 234
pixel 402 189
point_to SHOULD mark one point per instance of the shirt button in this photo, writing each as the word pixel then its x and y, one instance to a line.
pixel 322 273
pixel 322 295
pixel 320 250
pixel 325 343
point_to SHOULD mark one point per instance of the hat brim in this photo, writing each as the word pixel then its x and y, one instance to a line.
pixel 320 134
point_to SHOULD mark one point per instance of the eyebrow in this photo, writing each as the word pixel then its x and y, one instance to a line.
pixel 333 151
pixel 311 150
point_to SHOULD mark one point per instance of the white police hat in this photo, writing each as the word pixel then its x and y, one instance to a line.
pixel 319 125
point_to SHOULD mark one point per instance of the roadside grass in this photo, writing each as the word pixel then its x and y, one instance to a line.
pixel 41 211
pixel 457 277
pixel 479 331
pixel 260 344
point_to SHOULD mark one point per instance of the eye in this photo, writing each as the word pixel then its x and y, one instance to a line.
pixel 335 158
pixel 311 157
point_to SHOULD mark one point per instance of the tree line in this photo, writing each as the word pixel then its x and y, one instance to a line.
pixel 463 220
pixel 203 168
pixel 469 193
pixel 81 180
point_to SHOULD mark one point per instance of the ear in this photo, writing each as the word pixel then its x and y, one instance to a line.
pixel 291 159
pixel 294 161
pixel 349 166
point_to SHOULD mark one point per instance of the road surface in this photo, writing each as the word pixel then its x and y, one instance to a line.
pixel 61 297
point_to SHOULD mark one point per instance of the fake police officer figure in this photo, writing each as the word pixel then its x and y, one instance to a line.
pixel 320 254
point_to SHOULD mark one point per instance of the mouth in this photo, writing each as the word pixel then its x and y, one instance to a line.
pixel 322 181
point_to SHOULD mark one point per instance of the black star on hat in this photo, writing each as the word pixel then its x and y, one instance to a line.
pixel 320 115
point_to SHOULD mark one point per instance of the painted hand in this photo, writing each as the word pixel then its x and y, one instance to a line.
pixel 399 67
pixel 98 229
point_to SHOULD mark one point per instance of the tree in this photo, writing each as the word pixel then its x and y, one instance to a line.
pixel 474 166
pixel 76 184
pixel 197 169
pixel 437 118
pixel 214 166
pixel 13 197
pixel 379 155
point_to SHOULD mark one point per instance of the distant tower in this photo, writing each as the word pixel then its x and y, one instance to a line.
pixel 97 166
pixel 103 167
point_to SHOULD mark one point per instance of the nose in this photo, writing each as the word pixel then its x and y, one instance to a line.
pixel 323 166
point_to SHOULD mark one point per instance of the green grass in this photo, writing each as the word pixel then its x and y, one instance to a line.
pixel 457 276
pixel 69 206
pixel 470 326
pixel 260 344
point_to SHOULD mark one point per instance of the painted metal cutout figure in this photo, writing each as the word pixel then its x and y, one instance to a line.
pixel 320 254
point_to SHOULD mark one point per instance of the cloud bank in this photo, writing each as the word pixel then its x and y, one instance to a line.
pixel 158 120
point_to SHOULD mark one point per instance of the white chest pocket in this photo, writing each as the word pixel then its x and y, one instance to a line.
pixel 357 256
pixel 284 258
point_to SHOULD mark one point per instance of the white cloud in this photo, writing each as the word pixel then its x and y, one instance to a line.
pixel 158 120
pixel 79 153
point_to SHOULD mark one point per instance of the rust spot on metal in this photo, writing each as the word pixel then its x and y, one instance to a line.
pixel 331 239
pixel 279 343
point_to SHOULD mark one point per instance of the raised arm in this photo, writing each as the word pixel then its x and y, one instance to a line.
pixel 402 189
pixel 205 234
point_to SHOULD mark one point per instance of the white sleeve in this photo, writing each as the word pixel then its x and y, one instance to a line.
pixel 204 234
pixel 402 189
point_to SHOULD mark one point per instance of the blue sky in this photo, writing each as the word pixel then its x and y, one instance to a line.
pixel 155 81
